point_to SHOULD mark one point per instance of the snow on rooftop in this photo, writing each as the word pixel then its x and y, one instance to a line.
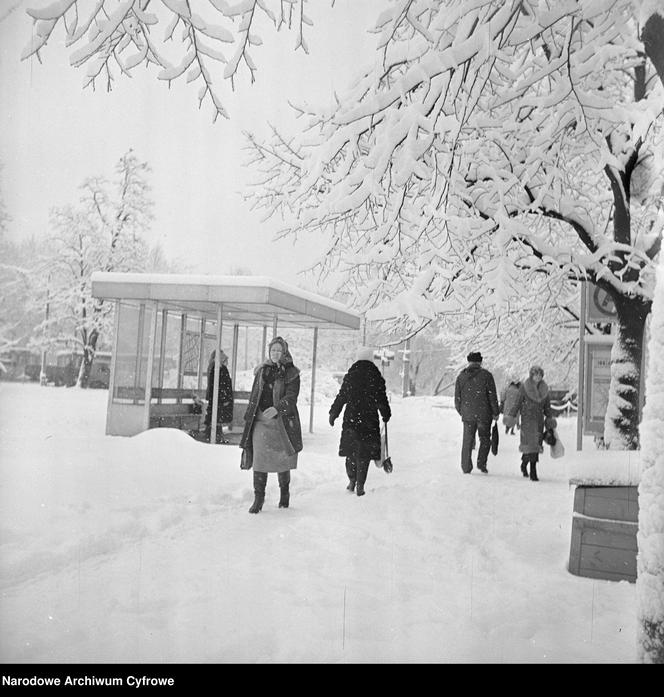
pixel 214 280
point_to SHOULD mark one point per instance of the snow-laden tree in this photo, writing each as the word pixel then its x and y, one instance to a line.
pixel 490 140
pixel 103 232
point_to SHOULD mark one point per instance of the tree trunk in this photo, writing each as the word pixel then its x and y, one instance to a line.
pixel 650 558
pixel 621 429
pixel 88 357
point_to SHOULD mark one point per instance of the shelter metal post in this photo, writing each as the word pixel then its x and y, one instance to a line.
pixel 236 332
pixel 150 364
pixel 582 369
pixel 217 371
pixel 162 350
pixel 264 344
pixel 183 331
pixel 114 357
pixel 139 348
pixel 274 326
pixel 201 353
pixel 313 381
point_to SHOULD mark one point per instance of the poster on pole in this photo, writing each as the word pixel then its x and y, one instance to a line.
pixel 597 384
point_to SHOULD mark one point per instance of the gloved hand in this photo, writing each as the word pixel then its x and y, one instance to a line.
pixel 331 419
pixel 270 413
pixel 385 420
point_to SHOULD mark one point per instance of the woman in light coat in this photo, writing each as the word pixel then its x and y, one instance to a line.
pixel 508 398
pixel 534 406
pixel 272 436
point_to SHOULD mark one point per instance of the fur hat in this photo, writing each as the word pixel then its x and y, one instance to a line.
pixel 474 357
pixel 364 353
pixel 535 369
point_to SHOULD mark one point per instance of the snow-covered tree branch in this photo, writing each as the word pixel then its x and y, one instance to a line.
pixel 489 140
pixel 195 41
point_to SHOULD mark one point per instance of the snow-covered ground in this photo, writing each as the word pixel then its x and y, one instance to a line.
pixel 141 549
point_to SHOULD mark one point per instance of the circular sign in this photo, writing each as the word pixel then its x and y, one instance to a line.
pixel 603 302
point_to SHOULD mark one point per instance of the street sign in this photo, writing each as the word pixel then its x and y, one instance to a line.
pixel 384 356
pixel 599 305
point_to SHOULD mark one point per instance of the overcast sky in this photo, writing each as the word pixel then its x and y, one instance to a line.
pixel 54 134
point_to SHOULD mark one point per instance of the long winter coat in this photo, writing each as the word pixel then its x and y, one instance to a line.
pixel 508 400
pixel 225 411
pixel 284 395
pixel 363 393
pixel 475 397
pixel 534 405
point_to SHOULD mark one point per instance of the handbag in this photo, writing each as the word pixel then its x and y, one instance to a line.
pixel 385 460
pixel 246 459
pixel 557 448
pixel 494 439
pixel 550 436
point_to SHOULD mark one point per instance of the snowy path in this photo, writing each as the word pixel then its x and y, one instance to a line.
pixel 123 550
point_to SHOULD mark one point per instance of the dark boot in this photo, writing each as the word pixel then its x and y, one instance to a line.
pixel 524 466
pixel 362 471
pixel 351 471
pixel 533 472
pixel 260 482
pixel 284 487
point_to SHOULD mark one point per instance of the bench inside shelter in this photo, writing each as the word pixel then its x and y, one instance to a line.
pixel 184 409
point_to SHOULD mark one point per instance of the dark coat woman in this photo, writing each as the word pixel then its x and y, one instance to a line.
pixel 272 435
pixel 225 406
pixel 364 396
pixel 534 405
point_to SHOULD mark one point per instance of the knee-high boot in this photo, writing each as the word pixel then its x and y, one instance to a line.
pixel 284 487
pixel 524 465
pixel 260 482
pixel 533 471
pixel 362 471
pixel 351 471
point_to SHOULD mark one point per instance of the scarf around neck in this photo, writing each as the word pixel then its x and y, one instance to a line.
pixel 537 393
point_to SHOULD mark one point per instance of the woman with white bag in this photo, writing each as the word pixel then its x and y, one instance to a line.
pixel 534 406
pixel 363 395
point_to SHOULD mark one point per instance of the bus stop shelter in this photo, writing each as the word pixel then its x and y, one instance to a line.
pixel 166 326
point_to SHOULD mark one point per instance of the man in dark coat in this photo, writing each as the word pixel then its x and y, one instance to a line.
pixel 477 403
pixel 363 392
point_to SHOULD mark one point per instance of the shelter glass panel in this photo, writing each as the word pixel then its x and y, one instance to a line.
pixel 157 361
pixel 172 349
pixel 132 346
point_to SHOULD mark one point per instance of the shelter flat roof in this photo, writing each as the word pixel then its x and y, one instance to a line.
pixel 246 300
